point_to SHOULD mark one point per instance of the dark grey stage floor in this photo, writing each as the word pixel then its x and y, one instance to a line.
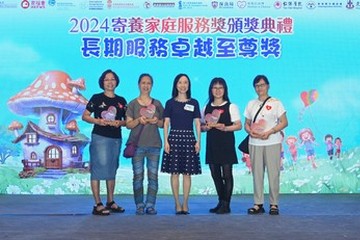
pixel 69 217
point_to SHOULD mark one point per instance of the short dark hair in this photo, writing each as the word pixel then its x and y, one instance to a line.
pixel 328 136
pixel 175 92
pixel 102 77
pixel 258 78
pixel 146 75
pixel 221 81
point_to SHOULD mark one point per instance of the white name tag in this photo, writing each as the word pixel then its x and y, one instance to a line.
pixel 189 107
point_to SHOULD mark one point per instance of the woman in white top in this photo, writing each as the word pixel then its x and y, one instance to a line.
pixel 265 144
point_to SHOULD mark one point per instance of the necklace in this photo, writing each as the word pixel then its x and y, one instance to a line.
pixel 181 100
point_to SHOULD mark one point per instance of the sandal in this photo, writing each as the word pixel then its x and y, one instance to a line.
pixel 257 209
pixel 140 211
pixel 116 209
pixel 102 212
pixel 274 210
pixel 151 211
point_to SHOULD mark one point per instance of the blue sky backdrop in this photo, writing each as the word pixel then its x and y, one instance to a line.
pixel 322 54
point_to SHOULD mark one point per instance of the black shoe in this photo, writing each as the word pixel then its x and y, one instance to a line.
pixel 224 208
pixel 274 210
pixel 257 209
pixel 102 211
pixel 213 210
pixel 116 209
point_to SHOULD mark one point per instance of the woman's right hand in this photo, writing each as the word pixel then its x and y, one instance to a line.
pixel 205 127
pixel 142 120
pixel 102 122
pixel 254 134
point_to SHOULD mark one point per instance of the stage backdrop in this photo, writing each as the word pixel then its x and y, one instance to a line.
pixel 53 52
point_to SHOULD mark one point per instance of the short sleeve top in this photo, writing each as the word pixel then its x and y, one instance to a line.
pixel 150 136
pixel 108 108
pixel 182 114
pixel 267 119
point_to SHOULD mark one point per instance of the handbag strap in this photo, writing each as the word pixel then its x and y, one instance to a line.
pixel 141 128
pixel 262 105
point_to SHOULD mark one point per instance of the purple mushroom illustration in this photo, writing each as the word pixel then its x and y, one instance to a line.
pixel 55 142
pixel 50 97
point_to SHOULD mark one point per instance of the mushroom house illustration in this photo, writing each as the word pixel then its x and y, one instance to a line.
pixel 55 142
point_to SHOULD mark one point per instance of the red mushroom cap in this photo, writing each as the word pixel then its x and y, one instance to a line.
pixel 50 89
pixel 77 83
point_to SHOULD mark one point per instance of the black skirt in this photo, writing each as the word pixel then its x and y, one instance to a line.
pixel 182 158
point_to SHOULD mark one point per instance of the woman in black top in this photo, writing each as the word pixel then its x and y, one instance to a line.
pixel 221 119
pixel 108 111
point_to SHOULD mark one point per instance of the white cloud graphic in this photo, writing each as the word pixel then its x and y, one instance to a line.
pixel 340 98
pixel 18 62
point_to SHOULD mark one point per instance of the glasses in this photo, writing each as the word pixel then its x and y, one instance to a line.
pixel 262 85
pixel 218 88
